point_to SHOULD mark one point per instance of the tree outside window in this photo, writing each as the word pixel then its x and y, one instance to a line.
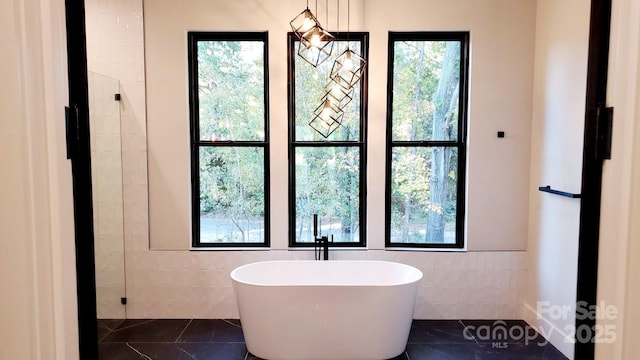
pixel 326 175
pixel 229 138
pixel 426 141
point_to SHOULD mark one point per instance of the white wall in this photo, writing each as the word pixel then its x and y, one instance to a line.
pixel 37 264
pixel 630 316
pixel 619 256
pixel 562 31
pixel 501 93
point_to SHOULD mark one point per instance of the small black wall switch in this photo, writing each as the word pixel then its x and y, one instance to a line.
pixel 117 97
pixel 123 301
pixel 500 134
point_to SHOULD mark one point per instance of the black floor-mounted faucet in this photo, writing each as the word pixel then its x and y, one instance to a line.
pixel 321 243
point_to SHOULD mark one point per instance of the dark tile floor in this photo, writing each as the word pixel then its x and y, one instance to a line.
pixel 168 339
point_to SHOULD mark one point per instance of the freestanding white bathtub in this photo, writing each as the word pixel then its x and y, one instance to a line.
pixel 323 310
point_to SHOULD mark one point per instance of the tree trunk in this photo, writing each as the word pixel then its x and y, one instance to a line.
pixel 445 101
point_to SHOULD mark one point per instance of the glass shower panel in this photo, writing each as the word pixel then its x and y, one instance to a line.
pixel 106 173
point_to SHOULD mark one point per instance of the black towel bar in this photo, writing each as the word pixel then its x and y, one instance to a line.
pixel 558 192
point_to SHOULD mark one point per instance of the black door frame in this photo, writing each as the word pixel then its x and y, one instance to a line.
pixel 78 144
pixel 78 150
pixel 592 161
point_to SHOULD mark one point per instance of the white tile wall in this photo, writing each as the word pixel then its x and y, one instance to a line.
pixel 180 284
pixel 472 285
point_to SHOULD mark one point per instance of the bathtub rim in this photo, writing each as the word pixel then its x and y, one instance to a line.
pixel 233 274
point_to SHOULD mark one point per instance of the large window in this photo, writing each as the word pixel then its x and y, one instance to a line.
pixel 426 139
pixel 229 138
pixel 326 175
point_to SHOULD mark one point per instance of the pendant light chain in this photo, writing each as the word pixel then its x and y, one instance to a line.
pixel 338 19
pixel 348 22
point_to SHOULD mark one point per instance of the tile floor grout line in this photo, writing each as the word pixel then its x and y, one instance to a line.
pixel 139 353
pixel 134 325
pixel 106 327
pixel 186 352
pixel 110 329
pixel 464 328
pixel 109 334
pixel 106 336
pixel 230 323
pixel 183 330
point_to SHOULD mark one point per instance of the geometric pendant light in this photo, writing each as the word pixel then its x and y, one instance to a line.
pixel 337 94
pixel 304 22
pixel 316 44
pixel 327 118
pixel 347 69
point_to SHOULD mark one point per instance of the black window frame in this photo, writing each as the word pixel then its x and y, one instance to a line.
pixel 193 37
pixel 363 38
pixel 461 143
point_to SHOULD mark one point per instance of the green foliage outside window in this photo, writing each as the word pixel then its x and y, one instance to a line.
pixel 327 172
pixel 425 142
pixel 230 141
